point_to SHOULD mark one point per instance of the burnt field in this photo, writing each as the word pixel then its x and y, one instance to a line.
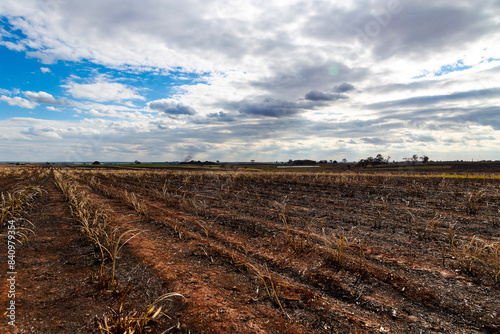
pixel 199 251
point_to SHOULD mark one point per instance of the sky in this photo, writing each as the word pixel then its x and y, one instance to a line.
pixel 156 80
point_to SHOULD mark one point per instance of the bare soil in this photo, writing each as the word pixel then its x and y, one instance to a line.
pixel 261 252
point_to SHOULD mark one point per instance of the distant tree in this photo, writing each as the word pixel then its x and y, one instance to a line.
pixel 412 160
pixel 344 160
pixel 137 162
pixel 96 163
pixel 324 161
pixel 425 159
pixel 252 161
pixel 378 160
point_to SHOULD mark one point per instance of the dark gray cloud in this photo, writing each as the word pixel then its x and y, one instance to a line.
pixel 171 108
pixel 434 99
pixel 344 88
pixel 271 107
pixel 374 141
pixel 435 27
pixel 221 116
pixel 316 95
pixel 488 116
pixel 420 138
pixel 438 119
pixel 404 27
pixel 217 118
pixel 292 82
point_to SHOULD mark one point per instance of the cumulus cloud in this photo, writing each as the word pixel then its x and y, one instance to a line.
pixel 46 132
pixel 44 98
pixel 19 102
pixel 102 90
pixel 171 107
pixel 45 69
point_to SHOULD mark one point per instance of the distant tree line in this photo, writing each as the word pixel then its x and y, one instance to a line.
pixel 378 160
pixel 193 162
pixel 302 162
pixel 414 159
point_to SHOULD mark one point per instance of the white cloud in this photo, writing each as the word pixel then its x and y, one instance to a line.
pixel 13 46
pixel 102 90
pixel 46 132
pixel 45 69
pixel 52 109
pixel 19 102
pixel 41 97
pixel 111 111
pixel 171 107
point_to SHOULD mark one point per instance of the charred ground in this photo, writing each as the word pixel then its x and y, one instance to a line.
pixel 261 251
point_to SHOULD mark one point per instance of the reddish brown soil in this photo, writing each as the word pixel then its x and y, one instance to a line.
pixel 56 288
pixel 346 254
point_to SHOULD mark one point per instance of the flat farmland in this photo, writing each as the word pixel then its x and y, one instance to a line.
pixel 224 251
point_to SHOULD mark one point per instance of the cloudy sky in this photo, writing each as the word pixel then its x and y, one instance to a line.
pixel 156 80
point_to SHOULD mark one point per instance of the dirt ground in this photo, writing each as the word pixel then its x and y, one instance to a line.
pixel 263 252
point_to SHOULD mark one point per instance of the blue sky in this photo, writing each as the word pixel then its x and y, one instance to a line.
pixel 22 74
pixel 248 80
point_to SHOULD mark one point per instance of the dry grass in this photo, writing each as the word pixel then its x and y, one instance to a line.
pixel 96 228
pixel 14 203
pixel 478 258
pixel 473 200
pixel 111 241
pixel 334 232
pixel 282 207
pixel 133 201
pixel 120 321
pixel 338 248
pixel 12 207
pixel 266 280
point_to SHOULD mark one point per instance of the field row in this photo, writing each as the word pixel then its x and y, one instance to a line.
pixel 257 252
pixel 373 251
